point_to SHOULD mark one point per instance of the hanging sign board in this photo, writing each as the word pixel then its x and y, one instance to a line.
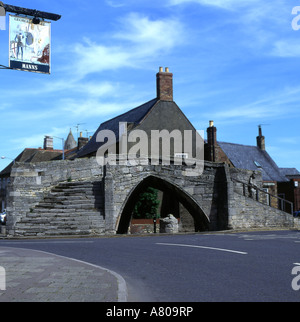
pixel 29 45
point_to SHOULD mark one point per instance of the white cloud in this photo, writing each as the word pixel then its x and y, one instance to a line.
pixel 224 4
pixel 151 36
pixel 139 40
pixel 37 140
pixel 92 58
pixel 95 89
pixel 89 108
pixel 32 141
pixel 115 4
pixel 257 25
pixel 267 108
pixel 290 140
pixel 286 48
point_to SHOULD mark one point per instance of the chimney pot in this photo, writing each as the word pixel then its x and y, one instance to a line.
pixel 211 123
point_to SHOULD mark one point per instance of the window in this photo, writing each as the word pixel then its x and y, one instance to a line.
pixel 267 196
pixel 257 164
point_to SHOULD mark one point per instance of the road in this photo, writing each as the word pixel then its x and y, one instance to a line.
pixel 252 266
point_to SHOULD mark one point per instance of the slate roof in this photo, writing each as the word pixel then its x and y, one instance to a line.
pixel 134 116
pixel 289 171
pixel 253 158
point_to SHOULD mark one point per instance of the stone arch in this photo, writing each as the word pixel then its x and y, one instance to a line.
pixel 201 220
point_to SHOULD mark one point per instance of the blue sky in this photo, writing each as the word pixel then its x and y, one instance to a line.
pixel 234 61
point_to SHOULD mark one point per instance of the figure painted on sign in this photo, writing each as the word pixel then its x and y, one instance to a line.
pixel 45 55
pixel 20 45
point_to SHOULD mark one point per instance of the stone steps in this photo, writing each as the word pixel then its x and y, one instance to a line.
pixel 74 208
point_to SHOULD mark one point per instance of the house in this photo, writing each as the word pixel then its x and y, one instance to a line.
pixel 281 182
pixel 290 189
pixel 158 114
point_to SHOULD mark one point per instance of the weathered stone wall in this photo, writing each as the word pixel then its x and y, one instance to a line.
pixel 296 222
pixel 30 183
pixel 246 212
pixel 214 194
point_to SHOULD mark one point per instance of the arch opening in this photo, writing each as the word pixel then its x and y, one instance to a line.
pixel 177 201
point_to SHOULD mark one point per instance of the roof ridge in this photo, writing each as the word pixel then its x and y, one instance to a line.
pixel 92 145
pixel 248 145
pixel 128 111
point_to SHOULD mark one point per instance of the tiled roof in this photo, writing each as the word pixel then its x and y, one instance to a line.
pixel 253 158
pixel 34 155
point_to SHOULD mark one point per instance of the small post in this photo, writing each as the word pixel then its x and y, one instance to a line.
pixel 154 224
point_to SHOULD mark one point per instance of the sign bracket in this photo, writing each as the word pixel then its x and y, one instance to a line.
pixel 30 12
pixel 4 67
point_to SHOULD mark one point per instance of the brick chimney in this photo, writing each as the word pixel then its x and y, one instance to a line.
pixel 48 143
pixel 260 139
pixel 164 84
pixel 211 141
pixel 82 141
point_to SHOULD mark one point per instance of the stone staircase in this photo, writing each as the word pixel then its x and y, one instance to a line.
pixel 72 208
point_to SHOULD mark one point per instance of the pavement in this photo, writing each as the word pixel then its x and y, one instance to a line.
pixel 36 276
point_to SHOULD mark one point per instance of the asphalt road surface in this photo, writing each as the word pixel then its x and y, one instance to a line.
pixel 252 266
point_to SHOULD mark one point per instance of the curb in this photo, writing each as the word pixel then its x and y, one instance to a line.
pixel 122 286
pixel 64 285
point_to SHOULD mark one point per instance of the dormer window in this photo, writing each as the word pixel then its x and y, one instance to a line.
pixel 257 164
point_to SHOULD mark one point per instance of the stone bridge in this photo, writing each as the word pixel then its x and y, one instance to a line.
pixel 81 198
pixel 202 199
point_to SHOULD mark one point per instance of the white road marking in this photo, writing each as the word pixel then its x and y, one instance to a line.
pixel 205 247
pixel 297 264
